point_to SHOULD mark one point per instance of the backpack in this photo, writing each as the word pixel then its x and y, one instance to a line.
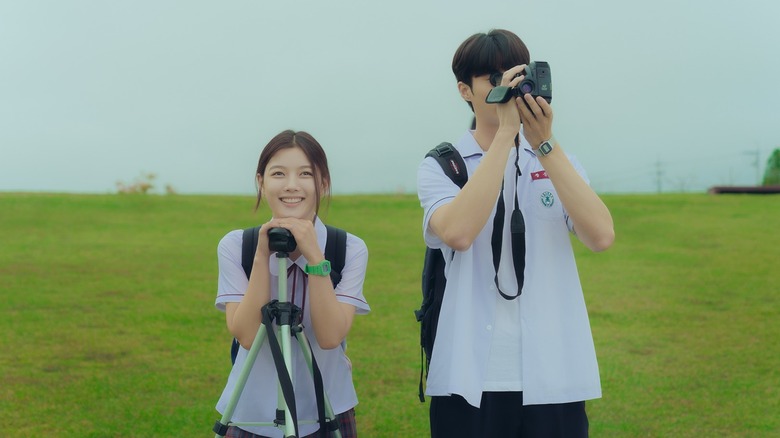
pixel 335 252
pixel 433 279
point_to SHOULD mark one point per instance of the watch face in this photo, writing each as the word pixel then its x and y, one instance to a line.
pixel 546 147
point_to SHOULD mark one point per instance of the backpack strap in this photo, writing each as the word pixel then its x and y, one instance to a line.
pixel 454 167
pixel 248 248
pixel 336 252
pixel 451 162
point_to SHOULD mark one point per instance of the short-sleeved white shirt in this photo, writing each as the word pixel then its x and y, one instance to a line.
pixel 258 401
pixel 558 360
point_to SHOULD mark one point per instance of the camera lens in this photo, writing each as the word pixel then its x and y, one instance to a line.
pixel 527 87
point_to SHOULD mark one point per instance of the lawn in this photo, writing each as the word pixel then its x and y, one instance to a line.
pixel 108 328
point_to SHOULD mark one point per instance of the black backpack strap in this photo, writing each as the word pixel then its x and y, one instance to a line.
pixel 336 252
pixel 451 162
pixel 454 167
pixel 248 248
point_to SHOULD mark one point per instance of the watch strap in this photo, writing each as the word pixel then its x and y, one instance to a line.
pixel 321 269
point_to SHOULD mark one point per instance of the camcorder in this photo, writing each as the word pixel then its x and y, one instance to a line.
pixel 281 240
pixel 537 82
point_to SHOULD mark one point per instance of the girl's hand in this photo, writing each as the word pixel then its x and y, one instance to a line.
pixel 305 237
pixel 262 251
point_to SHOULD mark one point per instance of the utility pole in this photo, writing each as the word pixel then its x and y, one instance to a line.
pixel 659 173
pixel 756 154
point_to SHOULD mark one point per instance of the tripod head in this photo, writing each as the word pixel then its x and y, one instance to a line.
pixel 281 241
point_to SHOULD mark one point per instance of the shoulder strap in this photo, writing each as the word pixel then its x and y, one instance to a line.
pixel 451 162
pixel 248 248
pixel 336 252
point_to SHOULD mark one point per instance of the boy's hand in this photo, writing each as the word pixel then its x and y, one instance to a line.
pixel 508 115
pixel 536 116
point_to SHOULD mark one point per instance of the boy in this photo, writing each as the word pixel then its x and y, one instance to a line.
pixel 508 360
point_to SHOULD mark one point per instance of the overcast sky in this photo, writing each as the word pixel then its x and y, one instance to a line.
pixel 674 94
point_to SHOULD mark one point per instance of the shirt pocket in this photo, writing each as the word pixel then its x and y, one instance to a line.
pixel 543 201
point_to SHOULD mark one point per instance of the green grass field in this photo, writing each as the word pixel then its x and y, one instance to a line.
pixel 108 327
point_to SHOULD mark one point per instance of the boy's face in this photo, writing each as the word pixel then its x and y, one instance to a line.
pixel 476 94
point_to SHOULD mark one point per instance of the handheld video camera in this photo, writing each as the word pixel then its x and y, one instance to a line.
pixel 537 82
pixel 281 240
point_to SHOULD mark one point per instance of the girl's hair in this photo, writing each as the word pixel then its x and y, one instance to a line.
pixel 483 53
pixel 310 147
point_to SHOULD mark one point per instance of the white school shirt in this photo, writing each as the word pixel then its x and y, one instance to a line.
pixel 558 360
pixel 259 398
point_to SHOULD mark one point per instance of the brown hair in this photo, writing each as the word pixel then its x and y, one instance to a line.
pixel 310 147
pixel 483 53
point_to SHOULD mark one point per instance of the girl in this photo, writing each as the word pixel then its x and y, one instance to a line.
pixel 293 177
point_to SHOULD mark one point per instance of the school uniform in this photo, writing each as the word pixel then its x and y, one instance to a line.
pixel 539 344
pixel 258 401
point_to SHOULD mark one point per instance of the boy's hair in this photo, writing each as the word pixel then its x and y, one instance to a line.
pixel 483 53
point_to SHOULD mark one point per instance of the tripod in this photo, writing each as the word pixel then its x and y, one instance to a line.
pixel 288 318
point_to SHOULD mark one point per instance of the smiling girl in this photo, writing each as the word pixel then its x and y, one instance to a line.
pixel 292 177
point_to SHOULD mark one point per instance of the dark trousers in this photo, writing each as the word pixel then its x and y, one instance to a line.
pixel 502 414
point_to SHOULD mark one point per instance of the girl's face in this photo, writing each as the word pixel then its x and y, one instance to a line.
pixel 289 185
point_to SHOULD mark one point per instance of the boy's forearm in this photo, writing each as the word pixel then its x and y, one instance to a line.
pixel 591 217
pixel 459 222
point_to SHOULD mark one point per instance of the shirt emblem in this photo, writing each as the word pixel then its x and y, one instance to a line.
pixel 547 199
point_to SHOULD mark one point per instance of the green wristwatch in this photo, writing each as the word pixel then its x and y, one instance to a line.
pixel 322 269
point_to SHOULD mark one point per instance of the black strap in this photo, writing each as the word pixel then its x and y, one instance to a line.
pixel 336 252
pixel 248 248
pixel 454 167
pixel 285 382
pixel 319 393
pixel 451 162
pixel 517 230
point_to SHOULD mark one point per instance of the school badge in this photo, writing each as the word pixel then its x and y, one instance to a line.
pixel 547 199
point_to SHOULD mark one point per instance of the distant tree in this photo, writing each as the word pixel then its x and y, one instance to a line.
pixel 143 184
pixel 772 173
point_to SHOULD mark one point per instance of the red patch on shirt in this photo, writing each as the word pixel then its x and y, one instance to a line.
pixel 539 175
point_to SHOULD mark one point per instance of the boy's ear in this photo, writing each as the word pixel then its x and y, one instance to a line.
pixel 465 91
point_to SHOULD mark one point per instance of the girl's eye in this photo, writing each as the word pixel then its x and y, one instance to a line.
pixel 277 173
pixel 307 173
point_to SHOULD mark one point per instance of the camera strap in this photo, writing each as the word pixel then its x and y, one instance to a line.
pixel 517 229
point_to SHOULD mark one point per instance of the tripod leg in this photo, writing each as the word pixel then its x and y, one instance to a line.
pixel 241 382
pixel 284 341
pixel 307 354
